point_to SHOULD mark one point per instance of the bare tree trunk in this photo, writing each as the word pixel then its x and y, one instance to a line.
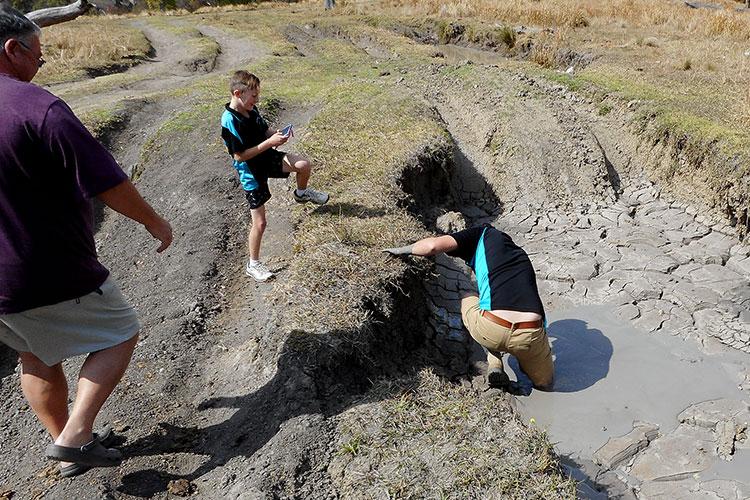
pixel 329 4
pixel 55 15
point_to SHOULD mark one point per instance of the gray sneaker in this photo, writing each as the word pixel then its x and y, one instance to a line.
pixel 313 196
pixel 258 272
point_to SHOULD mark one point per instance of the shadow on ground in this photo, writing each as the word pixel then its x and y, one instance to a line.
pixel 335 382
pixel 8 360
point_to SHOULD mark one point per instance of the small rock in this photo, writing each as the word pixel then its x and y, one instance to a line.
pixel 620 449
pixel 725 436
pixel 450 222
pixel 181 487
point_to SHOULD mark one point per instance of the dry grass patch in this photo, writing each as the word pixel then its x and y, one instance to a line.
pixel 571 13
pixel 424 437
pixel 90 45
pixel 338 263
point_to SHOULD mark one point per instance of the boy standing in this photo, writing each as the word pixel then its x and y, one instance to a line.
pixel 252 145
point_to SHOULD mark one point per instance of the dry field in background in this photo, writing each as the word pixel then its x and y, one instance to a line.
pixel 694 61
pixel 89 45
pixel 672 14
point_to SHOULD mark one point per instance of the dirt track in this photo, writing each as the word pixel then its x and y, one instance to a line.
pixel 214 397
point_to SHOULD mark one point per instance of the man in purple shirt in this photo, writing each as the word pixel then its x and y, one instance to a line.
pixel 56 299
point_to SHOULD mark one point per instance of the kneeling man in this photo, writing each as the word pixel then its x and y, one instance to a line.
pixel 507 315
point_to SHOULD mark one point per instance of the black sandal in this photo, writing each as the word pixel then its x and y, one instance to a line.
pixel 92 454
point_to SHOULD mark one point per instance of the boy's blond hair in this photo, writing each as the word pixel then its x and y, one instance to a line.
pixel 242 80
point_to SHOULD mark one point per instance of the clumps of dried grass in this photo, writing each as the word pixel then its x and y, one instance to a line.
pixel 424 437
pixel 572 13
pixel 546 48
pixel 73 48
pixel 338 271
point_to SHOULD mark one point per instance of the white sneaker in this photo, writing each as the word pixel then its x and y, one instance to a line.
pixel 317 197
pixel 258 271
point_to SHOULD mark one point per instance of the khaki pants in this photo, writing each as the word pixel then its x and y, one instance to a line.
pixel 530 346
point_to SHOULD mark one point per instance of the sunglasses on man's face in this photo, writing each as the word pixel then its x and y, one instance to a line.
pixel 40 60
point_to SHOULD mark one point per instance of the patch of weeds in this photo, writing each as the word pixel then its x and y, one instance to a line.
pixel 102 121
pixel 462 72
pixel 352 446
pixel 100 84
pixel 449 32
pixel 176 129
pixel 604 109
pixel 570 81
pixel 507 35
pixel 627 88
pixel 545 49
pixel 429 438
pixel 358 158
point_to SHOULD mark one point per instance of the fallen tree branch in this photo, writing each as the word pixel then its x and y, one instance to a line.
pixel 56 15
pixel 701 5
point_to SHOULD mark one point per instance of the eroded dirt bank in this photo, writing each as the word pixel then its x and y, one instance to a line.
pixel 224 399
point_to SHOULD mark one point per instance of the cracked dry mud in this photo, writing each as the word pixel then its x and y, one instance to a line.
pixel 648 303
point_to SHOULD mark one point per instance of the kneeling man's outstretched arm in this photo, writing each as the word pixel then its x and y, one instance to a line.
pixel 427 246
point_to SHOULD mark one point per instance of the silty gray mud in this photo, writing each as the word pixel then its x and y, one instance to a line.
pixel 648 300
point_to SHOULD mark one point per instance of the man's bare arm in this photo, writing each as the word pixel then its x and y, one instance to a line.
pixel 427 246
pixel 125 199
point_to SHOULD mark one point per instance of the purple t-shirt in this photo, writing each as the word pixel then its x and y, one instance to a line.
pixel 50 166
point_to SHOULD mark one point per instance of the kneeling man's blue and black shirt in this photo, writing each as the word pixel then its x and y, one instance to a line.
pixel 241 133
pixel 505 276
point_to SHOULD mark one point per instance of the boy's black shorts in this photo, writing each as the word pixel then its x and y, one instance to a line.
pixel 272 168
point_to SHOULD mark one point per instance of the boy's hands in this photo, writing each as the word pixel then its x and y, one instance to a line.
pixel 277 139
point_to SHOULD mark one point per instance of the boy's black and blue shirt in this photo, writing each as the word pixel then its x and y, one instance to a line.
pixel 241 133
pixel 505 276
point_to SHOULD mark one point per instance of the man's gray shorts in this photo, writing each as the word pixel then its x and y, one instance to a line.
pixel 90 323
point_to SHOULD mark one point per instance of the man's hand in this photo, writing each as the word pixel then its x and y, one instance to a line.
pixel 407 250
pixel 277 139
pixel 162 231
pixel 125 199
